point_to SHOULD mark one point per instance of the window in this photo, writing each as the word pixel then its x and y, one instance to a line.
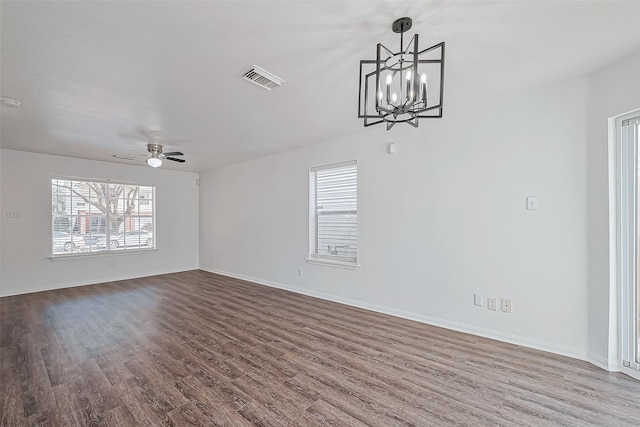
pixel 101 216
pixel 628 140
pixel 333 214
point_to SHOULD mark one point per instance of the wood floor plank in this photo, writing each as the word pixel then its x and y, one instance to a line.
pixel 9 372
pixel 356 404
pixel 72 407
pixel 157 390
pixel 196 348
pixel 223 389
pixel 36 390
pixel 261 417
pixel 42 419
pixel 188 415
pixel 329 415
pixel 212 407
pixel 11 413
pixel 221 361
pixel 113 368
pixel 6 332
pixel 146 410
pixel 119 416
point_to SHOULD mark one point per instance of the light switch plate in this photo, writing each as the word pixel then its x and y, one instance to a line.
pixel 532 203
pixel 478 299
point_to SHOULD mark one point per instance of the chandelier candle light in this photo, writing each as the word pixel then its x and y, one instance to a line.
pixel 403 86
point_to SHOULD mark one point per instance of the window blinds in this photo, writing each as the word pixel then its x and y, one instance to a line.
pixel 334 212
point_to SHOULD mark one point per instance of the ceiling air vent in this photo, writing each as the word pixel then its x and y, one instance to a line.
pixel 262 78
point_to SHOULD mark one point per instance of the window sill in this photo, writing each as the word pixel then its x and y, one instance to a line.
pixel 330 263
pixel 82 255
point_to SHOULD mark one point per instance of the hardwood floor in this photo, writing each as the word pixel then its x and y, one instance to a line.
pixel 195 348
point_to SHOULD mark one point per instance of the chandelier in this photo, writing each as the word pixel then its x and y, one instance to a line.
pixel 403 86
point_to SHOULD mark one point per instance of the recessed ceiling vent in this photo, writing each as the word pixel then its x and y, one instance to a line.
pixel 262 78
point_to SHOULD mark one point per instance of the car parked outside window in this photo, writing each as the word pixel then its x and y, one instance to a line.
pixel 138 238
pixel 65 242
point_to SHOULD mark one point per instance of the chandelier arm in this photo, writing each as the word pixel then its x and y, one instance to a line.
pixel 441 78
pixel 435 46
pixel 433 107
pixel 378 88
pixel 367 124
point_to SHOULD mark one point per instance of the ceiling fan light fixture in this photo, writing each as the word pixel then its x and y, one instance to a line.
pixel 154 162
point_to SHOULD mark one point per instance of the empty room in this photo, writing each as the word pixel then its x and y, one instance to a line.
pixel 320 213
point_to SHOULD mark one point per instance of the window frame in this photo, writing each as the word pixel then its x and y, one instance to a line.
pixel 107 251
pixel 313 256
pixel 627 129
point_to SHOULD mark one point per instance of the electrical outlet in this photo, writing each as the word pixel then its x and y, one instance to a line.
pixel 491 304
pixel 506 305
pixel 13 214
pixel 299 271
pixel 532 203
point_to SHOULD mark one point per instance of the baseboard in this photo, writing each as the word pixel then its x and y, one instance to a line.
pixel 90 283
pixel 600 362
pixel 568 351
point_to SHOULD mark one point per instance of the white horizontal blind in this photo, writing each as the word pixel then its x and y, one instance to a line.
pixel 91 216
pixel 334 212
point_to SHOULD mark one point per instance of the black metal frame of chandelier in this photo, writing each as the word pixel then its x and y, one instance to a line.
pixel 439 106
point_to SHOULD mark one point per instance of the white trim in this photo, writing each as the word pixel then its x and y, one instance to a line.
pixel 91 283
pixel 615 332
pixel 573 352
pixel 631 372
pixel 105 181
pixel 332 263
pixel 617 310
pixel 601 362
pixel 112 252
pixel 333 165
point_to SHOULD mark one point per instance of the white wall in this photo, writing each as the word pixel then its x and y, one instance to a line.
pixel 440 220
pixel 26 241
pixel 612 91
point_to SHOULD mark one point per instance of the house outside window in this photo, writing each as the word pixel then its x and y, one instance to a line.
pixel 93 216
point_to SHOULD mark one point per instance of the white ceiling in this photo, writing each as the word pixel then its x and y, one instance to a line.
pixel 90 75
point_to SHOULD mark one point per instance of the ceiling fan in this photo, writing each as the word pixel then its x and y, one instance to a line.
pixel 155 155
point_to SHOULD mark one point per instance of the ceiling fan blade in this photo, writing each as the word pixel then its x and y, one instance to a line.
pixel 176 160
pixel 173 153
pixel 129 156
